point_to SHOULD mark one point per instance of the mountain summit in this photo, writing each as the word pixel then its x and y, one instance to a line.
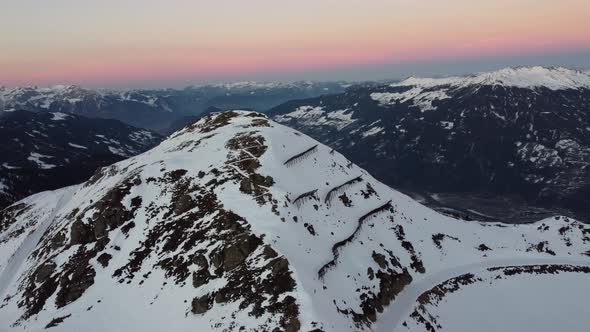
pixel 237 223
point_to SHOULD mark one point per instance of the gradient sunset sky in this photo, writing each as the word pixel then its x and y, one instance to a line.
pixel 141 43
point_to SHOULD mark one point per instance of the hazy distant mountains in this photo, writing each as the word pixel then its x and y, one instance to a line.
pixel 159 109
pixel 58 136
pixel 523 131
pixel 509 138
pixel 47 150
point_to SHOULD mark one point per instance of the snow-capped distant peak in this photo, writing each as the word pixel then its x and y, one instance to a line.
pixel 257 85
pixel 249 85
pixel 61 88
pixel 522 77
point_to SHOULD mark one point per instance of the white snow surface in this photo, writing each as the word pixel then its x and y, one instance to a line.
pixel 13 257
pixel 372 132
pixel 77 146
pixel 118 151
pixel 522 77
pixel 3 186
pixel 255 85
pixel 536 308
pixel 423 92
pixel 159 304
pixel 317 116
pixel 419 96
pixel 7 166
pixel 58 116
pixel 524 301
pixel 37 159
pixel 67 95
pixel 447 125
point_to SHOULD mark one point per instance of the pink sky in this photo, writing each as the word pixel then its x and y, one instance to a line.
pixel 108 42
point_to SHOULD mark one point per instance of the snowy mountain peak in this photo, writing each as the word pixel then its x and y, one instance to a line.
pixel 63 88
pixel 256 85
pixel 54 89
pixel 237 223
pixel 554 78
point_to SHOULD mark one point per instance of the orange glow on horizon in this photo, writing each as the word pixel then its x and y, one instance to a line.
pixel 184 42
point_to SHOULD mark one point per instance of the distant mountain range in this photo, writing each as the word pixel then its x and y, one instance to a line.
pixel 159 109
pixel 516 140
pixel 49 150
pixel 237 223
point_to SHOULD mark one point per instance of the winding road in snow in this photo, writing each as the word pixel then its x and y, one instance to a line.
pixel 404 304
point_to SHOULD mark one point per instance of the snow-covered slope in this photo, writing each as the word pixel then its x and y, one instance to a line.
pixel 68 97
pixel 554 78
pixel 144 109
pixel 237 223
pixel 425 91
